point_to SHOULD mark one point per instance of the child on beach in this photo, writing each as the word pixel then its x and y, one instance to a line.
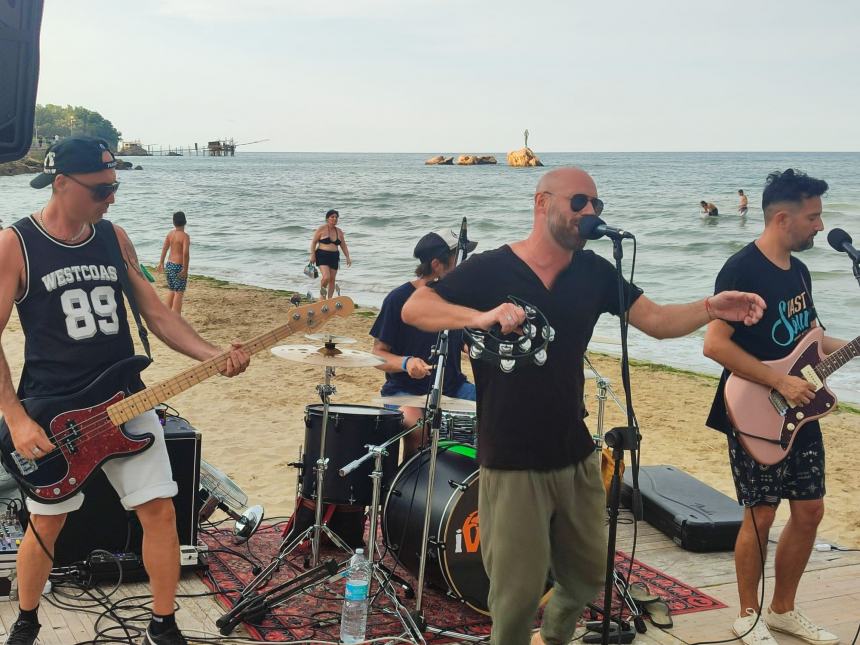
pixel 179 244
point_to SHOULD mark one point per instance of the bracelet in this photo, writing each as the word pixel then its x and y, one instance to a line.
pixel 403 364
pixel 708 308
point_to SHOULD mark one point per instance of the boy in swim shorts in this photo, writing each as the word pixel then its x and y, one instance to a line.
pixel 178 243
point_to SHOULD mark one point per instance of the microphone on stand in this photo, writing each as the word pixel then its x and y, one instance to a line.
pixel 463 240
pixel 592 227
pixel 841 241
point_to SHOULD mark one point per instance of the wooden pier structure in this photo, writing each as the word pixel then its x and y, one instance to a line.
pixel 217 148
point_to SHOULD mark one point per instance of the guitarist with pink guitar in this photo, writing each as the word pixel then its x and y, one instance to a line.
pixel 62 268
pixel 767 403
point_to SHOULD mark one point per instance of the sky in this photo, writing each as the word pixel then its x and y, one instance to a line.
pixel 454 76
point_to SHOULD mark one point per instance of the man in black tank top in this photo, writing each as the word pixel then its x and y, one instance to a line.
pixel 56 267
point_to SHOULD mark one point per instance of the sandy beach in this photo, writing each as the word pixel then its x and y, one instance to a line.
pixel 253 425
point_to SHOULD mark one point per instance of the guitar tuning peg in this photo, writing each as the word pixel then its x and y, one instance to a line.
pixel 539 357
pixel 507 365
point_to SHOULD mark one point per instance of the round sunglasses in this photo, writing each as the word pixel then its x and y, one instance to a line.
pixel 580 201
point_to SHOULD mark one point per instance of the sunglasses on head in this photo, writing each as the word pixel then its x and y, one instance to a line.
pixel 100 192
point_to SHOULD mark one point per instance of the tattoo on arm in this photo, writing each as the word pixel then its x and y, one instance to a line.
pixel 130 256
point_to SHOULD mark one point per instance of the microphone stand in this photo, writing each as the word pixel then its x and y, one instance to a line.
pixel 620 439
pixel 432 422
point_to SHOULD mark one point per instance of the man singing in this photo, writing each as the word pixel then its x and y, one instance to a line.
pixel 542 500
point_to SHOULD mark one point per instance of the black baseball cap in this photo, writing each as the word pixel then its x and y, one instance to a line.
pixel 439 243
pixel 73 155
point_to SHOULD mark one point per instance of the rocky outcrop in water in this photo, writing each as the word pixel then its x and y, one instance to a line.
pixel 475 160
pixel 524 157
pixel 439 160
pixel 21 167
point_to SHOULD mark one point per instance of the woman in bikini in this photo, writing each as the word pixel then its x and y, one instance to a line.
pixel 325 254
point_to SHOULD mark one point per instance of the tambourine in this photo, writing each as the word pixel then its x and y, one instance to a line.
pixel 509 350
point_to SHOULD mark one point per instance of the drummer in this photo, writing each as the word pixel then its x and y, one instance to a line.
pixel 406 349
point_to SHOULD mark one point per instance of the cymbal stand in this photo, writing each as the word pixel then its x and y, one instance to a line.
pixel 383 578
pixel 325 391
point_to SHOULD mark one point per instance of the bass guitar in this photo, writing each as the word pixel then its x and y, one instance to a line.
pixel 766 423
pixel 87 427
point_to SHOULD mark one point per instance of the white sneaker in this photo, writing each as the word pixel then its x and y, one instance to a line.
pixel 758 635
pixel 796 623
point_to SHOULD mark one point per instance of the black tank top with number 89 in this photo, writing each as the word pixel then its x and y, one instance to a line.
pixel 72 311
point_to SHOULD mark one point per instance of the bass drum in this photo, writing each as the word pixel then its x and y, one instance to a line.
pixel 454 551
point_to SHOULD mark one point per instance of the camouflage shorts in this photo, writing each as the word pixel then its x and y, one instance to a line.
pixel 799 476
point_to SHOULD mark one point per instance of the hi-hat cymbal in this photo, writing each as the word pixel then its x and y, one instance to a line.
pixel 331 339
pixel 448 403
pixel 313 355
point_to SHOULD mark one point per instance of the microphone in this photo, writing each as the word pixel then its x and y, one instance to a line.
pixel 463 240
pixel 841 241
pixel 592 227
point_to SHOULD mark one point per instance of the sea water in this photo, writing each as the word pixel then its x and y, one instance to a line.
pixel 251 218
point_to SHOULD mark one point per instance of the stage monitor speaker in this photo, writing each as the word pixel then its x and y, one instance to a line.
pixel 102 522
pixel 20 22
pixel 694 515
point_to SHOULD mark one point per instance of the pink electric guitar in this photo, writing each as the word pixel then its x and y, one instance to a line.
pixel 767 424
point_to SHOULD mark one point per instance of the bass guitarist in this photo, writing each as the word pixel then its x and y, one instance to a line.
pixel 57 267
pixel 791 202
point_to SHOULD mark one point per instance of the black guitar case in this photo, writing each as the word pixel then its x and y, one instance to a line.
pixel 694 515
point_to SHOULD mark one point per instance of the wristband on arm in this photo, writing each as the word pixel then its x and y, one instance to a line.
pixel 403 364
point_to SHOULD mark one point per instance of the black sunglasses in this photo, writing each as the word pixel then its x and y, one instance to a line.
pixel 580 201
pixel 100 192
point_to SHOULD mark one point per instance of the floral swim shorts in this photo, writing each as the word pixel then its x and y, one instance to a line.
pixel 174 282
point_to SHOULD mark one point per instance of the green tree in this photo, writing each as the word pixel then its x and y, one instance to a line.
pixel 66 121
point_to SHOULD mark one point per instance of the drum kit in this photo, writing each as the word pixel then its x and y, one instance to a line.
pixel 353 451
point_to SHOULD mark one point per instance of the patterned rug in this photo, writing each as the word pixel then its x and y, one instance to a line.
pixel 315 614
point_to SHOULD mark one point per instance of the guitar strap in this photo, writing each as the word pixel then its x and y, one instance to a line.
pixel 809 295
pixel 122 270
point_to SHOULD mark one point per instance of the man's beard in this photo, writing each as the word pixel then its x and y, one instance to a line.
pixel 564 236
pixel 805 245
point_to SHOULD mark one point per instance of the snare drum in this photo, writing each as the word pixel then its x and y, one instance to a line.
pixel 350 428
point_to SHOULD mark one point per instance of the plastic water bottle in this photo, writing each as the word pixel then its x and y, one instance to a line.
pixel 353 620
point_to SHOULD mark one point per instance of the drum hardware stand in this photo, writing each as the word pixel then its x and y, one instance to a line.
pixel 325 391
pixel 383 576
pixel 252 607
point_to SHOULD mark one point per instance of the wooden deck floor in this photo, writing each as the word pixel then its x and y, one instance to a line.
pixel 829 593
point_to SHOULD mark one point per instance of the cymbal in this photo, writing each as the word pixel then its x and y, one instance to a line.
pixel 313 355
pixel 332 339
pixel 448 403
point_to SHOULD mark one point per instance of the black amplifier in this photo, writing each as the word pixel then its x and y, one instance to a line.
pixel 103 523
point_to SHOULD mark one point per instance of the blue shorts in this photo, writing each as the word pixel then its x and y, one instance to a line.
pixel 174 282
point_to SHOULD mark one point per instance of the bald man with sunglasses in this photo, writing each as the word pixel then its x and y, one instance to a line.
pixel 57 266
pixel 542 502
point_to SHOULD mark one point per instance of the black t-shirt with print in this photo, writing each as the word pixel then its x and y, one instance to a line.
pixel 789 315
pixel 532 417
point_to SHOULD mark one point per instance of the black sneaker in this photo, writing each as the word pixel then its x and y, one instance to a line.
pixel 23 633
pixel 171 637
